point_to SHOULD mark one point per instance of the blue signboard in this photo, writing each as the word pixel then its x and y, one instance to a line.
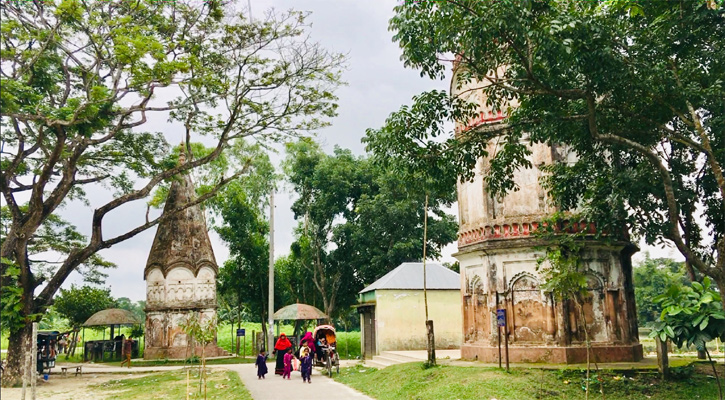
pixel 240 332
pixel 501 317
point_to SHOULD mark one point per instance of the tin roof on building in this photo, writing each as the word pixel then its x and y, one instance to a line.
pixel 410 276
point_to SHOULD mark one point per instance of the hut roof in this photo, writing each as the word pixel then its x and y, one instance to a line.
pixel 112 316
pixel 299 311
pixel 410 276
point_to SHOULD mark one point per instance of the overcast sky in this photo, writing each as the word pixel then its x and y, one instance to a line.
pixel 378 84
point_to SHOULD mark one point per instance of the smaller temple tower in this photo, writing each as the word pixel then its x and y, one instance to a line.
pixel 180 277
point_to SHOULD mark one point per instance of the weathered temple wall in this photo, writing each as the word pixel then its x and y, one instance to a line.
pixel 498 252
pixel 171 300
pixel 180 278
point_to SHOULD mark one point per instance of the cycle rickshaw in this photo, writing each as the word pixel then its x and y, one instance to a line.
pixel 326 339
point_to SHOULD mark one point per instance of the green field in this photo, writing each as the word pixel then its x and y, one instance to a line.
pixel 348 342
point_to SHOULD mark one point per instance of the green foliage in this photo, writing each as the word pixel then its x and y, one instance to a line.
pixel 202 331
pixel 454 266
pixel 634 89
pixel 53 320
pixel 358 219
pixel 561 267
pixel 136 331
pixel 11 305
pixel 652 278
pixel 691 315
pixel 57 237
pixel 80 303
pixel 137 308
pixel 80 80
pixel 242 280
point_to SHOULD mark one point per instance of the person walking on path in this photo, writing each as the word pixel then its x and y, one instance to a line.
pixel 62 344
pixel 261 364
pixel 324 388
pixel 288 364
pixel 126 351
pixel 280 348
pixel 307 338
pixel 306 363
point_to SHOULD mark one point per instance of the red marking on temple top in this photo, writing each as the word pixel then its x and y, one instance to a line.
pixel 484 117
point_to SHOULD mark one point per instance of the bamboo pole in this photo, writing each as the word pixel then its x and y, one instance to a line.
pixel 430 333
pixel 34 362
pixel 425 242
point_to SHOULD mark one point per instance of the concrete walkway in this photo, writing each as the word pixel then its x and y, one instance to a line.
pixel 388 358
pixel 272 388
pixel 275 388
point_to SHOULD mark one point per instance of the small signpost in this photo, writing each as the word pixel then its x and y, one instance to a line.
pixel 501 322
pixel 242 332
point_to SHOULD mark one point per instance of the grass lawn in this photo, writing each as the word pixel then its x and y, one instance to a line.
pixel 413 382
pixel 221 385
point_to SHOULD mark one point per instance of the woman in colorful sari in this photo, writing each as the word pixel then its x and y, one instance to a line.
pixel 280 348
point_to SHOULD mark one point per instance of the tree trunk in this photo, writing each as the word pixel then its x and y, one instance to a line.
pixel 18 345
pixel 71 351
pixel 431 343
pixel 714 370
pixel 663 363
pixel 19 341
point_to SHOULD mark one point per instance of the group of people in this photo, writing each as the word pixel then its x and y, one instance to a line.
pixel 286 358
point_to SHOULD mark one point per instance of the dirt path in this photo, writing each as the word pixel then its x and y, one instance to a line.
pixel 274 388
pixel 67 388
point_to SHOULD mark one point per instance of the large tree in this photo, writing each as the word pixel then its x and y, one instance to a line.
pixel 634 89
pixel 80 303
pixel 357 221
pixel 243 279
pixel 80 80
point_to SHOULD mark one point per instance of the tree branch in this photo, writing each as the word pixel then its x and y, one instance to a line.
pixel 672 207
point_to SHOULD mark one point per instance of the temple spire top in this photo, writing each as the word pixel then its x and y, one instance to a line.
pixel 182 153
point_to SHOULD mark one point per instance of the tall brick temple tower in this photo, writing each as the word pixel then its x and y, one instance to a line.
pixel 498 258
pixel 180 277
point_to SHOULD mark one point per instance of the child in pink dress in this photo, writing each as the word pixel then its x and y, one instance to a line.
pixel 288 364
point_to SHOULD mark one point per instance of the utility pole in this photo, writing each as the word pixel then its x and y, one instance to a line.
pixel 270 310
pixel 428 322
